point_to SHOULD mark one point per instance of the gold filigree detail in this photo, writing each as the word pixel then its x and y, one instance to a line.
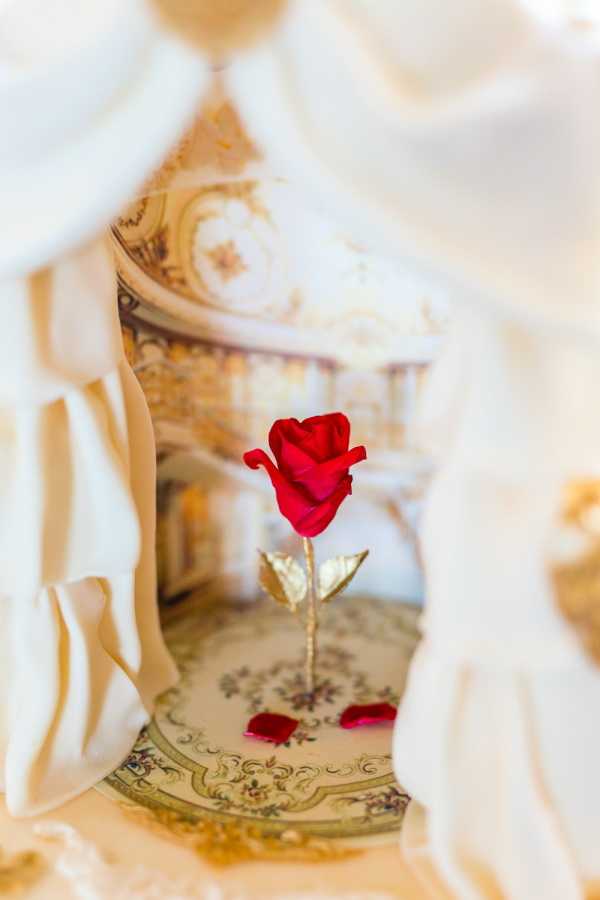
pixel 576 579
pixel 19 871
pixel 161 179
pixel 219 28
pixel 216 141
pixel 231 843
pixel 577 587
pixel 219 141
pixel 166 253
pixel 225 259
pixel 581 503
pixel 244 191
pixel 129 344
pixel 154 256
pixel 134 214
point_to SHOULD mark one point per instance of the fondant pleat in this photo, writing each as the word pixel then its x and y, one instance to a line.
pixel 83 657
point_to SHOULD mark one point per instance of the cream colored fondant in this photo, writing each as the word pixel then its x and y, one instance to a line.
pixel 82 645
pixel 81 649
pixel 462 134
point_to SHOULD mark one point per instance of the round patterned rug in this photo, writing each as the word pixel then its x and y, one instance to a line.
pixel 193 760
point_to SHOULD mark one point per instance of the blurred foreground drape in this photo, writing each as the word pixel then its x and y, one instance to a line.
pixel 466 136
pixel 81 649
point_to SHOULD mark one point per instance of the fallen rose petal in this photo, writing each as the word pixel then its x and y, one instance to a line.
pixel 368 714
pixel 271 727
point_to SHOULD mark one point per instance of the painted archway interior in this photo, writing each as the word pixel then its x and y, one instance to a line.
pixel 240 303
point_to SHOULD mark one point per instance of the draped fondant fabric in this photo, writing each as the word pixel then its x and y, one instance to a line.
pixel 92 97
pixel 83 656
pixel 465 135
pixel 457 135
pixel 497 737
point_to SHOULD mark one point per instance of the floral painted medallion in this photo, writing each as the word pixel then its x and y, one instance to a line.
pixel 325 782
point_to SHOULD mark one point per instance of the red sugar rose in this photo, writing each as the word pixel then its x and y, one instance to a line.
pixel 311 476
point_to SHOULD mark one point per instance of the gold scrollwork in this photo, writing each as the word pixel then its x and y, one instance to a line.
pixel 230 843
pixel 577 579
pixel 19 871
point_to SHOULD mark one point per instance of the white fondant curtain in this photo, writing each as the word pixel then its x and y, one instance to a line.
pixel 91 98
pixel 82 652
pixel 459 135
pixel 466 135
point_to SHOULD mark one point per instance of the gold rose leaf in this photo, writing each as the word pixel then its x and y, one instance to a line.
pixel 337 573
pixel 283 579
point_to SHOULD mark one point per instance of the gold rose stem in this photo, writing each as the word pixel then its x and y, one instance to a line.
pixel 311 617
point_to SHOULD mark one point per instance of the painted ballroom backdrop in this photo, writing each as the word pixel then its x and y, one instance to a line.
pixel 240 304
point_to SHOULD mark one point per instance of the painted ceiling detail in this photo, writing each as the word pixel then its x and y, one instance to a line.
pixel 250 258
pixel 216 147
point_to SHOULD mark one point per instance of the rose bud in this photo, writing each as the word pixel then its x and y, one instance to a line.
pixel 311 477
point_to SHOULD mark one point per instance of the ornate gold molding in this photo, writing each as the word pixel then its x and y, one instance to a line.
pixel 231 843
pixel 577 580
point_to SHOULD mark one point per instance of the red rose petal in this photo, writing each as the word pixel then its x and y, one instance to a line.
pixel 368 714
pixel 271 727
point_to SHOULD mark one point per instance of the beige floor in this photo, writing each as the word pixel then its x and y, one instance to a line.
pixel 379 873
